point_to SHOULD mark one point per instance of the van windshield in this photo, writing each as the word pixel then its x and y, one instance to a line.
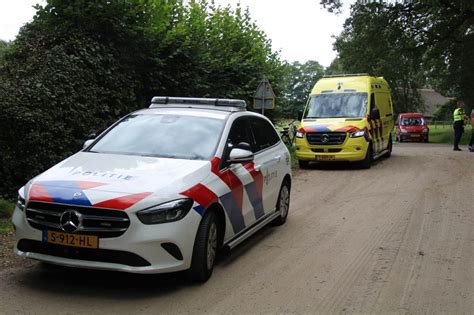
pixel 337 105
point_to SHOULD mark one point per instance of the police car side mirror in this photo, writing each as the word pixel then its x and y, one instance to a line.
pixel 300 115
pixel 240 156
pixel 244 146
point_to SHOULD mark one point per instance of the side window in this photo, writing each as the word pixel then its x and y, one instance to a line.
pixel 239 132
pixel 264 134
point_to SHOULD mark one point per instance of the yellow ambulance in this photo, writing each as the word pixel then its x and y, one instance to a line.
pixel 348 117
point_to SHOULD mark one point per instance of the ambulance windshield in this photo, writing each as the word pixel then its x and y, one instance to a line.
pixel 338 105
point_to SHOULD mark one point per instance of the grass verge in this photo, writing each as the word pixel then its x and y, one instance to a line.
pixel 445 134
pixel 6 211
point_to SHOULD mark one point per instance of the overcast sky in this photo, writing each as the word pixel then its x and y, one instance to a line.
pixel 300 29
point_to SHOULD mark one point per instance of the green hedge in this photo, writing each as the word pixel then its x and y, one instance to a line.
pixel 80 65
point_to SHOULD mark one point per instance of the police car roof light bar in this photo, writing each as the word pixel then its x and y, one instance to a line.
pixel 346 75
pixel 162 100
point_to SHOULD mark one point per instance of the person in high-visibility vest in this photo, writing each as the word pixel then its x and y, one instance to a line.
pixel 458 124
pixel 471 143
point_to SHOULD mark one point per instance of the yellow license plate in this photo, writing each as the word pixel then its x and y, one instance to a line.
pixel 74 240
pixel 325 157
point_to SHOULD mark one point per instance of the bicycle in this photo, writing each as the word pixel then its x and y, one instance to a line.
pixel 288 133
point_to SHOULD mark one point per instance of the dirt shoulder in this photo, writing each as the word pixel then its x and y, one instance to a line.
pixel 7 258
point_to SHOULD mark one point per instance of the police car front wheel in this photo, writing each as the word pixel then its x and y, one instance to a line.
pixel 205 248
pixel 283 203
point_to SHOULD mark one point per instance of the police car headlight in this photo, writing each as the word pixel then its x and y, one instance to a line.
pixel 300 134
pixel 20 202
pixel 166 212
pixel 358 134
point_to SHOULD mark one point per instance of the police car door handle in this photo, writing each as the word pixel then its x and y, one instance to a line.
pixel 277 158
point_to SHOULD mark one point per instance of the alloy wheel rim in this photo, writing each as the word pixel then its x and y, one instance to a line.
pixel 284 201
pixel 211 245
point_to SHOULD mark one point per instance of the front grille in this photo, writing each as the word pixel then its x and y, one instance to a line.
pixel 90 254
pixel 326 138
pixel 104 223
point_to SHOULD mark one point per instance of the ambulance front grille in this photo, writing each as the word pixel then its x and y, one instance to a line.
pixel 326 138
pixel 104 223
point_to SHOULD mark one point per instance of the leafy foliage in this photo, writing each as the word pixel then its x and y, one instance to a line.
pixel 300 81
pixel 374 41
pixel 80 65
pixel 411 43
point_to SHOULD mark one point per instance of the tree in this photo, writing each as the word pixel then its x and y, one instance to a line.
pixel 300 81
pixel 438 33
pixel 80 65
pixel 3 49
pixel 374 40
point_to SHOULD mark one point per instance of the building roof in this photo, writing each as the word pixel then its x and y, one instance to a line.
pixel 432 100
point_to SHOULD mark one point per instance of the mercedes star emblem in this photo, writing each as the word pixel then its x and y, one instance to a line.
pixel 70 221
pixel 325 138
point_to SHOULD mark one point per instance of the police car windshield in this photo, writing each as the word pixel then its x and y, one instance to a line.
pixel 168 136
pixel 336 105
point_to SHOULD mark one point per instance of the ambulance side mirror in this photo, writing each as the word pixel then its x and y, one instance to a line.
pixel 300 115
pixel 375 114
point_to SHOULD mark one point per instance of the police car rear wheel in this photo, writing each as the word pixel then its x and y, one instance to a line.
pixel 205 249
pixel 283 204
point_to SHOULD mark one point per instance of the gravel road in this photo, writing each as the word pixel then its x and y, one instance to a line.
pixel 398 237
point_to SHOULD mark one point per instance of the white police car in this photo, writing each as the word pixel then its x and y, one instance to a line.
pixel 161 190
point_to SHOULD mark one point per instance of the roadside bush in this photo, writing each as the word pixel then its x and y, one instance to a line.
pixel 80 65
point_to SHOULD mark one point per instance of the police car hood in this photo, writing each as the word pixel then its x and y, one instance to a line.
pixel 115 181
pixel 332 125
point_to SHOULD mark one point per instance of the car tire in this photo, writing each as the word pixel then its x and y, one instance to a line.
pixel 303 164
pixel 205 249
pixel 369 156
pixel 283 203
pixel 389 148
pixel 427 139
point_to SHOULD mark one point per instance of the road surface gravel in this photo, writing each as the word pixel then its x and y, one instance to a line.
pixel 398 237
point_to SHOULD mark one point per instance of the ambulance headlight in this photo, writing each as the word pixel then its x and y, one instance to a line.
pixel 166 212
pixel 358 134
pixel 300 134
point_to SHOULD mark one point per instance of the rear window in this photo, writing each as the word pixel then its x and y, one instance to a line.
pixel 410 121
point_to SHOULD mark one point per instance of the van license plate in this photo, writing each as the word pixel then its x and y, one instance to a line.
pixel 74 240
pixel 325 157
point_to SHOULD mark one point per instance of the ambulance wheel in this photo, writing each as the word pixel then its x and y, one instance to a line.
pixel 283 204
pixel 389 148
pixel 303 164
pixel 205 249
pixel 367 161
